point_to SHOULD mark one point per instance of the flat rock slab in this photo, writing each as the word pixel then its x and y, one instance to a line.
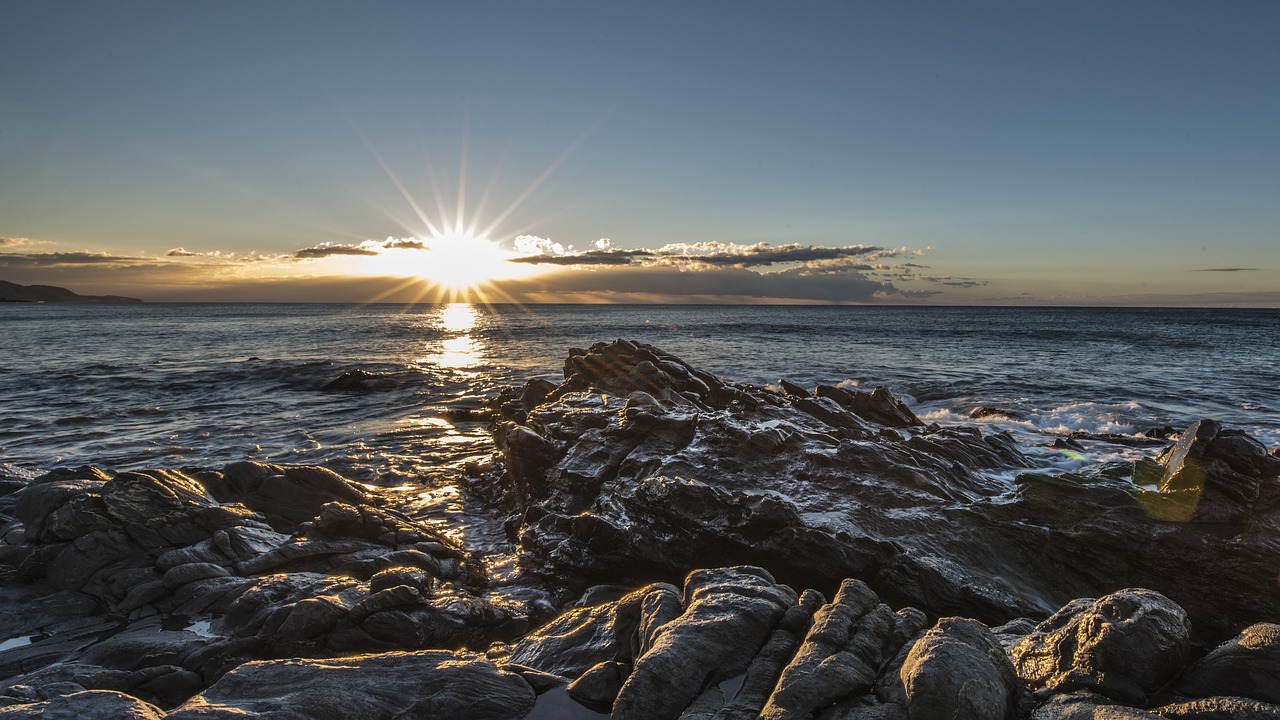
pixel 426 685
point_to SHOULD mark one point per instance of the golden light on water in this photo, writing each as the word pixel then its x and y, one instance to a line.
pixel 460 348
pixel 458 352
pixel 458 317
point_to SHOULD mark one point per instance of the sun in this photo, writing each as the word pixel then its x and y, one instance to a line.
pixel 455 261
pixel 459 260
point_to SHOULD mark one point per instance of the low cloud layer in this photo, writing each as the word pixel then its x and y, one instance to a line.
pixel 324 251
pixel 681 272
pixel 539 251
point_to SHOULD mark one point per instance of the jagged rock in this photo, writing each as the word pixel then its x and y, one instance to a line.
pixel 395 597
pixel 791 388
pixel 136 497
pixel 141 647
pixel 600 684
pixel 426 684
pixel 37 503
pixel 768 665
pixel 1125 646
pixel 528 457
pixel 582 638
pixel 271 595
pixel 809 488
pixel 1013 632
pixel 415 578
pixel 180 575
pixel 1073 706
pixel 1247 666
pixel 1219 708
pixel 286 495
pixel 313 552
pixel 840 655
pixel 986 411
pixel 1219 475
pixel 86 705
pixel 878 406
pixel 312 619
pixel 728 615
pixel 959 670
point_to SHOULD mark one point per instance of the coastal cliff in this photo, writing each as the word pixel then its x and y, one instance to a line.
pixel 683 546
pixel 12 292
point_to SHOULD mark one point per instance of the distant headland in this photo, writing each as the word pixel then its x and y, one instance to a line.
pixel 12 292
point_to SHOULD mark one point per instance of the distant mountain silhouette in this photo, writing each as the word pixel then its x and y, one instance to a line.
pixel 12 292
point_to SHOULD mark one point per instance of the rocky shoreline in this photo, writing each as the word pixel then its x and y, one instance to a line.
pixel 698 549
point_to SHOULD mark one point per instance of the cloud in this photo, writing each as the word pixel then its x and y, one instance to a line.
pixel 678 272
pixel 1229 269
pixel 11 241
pixel 673 284
pixel 68 258
pixel 950 280
pixel 365 248
pixel 405 244
pixel 327 250
pixel 763 254
pixel 590 257
pixel 542 251
pixel 532 245
pixel 217 256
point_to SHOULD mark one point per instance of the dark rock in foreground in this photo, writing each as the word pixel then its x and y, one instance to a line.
pixel 1124 655
pixel 264 591
pixel 390 686
pixel 640 466
pixel 156 583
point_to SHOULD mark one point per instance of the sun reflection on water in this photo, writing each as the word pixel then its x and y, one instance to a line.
pixel 460 348
pixel 458 317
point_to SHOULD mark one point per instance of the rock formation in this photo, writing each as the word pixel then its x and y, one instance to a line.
pixel 722 516
pixel 640 466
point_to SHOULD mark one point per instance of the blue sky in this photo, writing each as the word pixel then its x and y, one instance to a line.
pixel 1085 152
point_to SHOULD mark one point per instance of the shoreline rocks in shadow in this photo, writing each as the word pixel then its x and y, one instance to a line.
pixel 639 466
pixel 855 657
pixel 116 569
pixel 718 551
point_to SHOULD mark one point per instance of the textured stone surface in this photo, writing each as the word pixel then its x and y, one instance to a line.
pixel 728 615
pixel 86 705
pixel 1248 665
pixel 959 670
pixel 1124 645
pixel 639 465
pixel 840 654
pixel 391 686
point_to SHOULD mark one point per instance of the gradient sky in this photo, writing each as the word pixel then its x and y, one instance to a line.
pixel 942 152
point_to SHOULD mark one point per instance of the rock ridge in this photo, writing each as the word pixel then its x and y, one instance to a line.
pixel 715 550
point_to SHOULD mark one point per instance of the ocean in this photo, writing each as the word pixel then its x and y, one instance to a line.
pixel 174 385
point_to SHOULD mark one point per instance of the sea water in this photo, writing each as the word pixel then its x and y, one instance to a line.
pixel 177 385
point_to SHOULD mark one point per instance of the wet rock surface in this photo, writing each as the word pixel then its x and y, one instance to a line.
pixel 766 553
pixel 388 686
pixel 640 466
pixel 1091 644
pixel 156 583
